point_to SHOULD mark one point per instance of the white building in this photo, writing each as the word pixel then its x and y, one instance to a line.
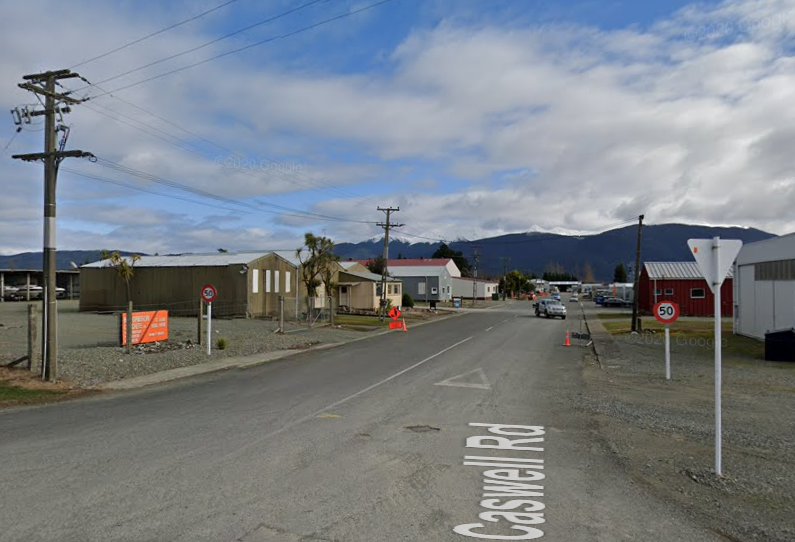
pixel 764 287
pixel 482 288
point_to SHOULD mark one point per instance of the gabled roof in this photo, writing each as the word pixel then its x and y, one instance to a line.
pixel 349 264
pixel 418 271
pixel 676 270
pixel 370 276
pixel 478 280
pixel 416 262
pixel 212 259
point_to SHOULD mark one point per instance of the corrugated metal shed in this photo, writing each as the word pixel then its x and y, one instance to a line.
pixel 676 270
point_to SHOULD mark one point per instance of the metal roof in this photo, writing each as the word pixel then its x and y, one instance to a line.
pixel 219 259
pixel 418 271
pixel 676 270
pixel 487 281
pixel 370 276
pixel 348 264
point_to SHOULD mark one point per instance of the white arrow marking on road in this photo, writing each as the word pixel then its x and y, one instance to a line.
pixel 451 381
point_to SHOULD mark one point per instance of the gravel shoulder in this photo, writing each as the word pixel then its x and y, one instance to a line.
pixel 89 354
pixel 662 432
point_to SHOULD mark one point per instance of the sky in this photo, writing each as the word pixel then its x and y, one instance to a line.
pixel 474 118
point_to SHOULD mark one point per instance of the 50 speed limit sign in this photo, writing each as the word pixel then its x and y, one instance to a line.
pixel 666 312
pixel 209 293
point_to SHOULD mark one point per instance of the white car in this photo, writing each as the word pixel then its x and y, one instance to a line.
pixel 574 298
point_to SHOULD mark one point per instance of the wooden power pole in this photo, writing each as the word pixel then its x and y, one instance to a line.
pixel 386 225
pixel 636 278
pixel 43 84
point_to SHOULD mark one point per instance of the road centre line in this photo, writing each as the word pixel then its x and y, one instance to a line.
pixel 489 329
pixel 345 400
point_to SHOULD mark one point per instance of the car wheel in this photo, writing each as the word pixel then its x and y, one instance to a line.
pixel 563 317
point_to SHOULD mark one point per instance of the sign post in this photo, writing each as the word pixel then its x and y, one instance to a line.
pixel 714 258
pixel 208 295
pixel 666 312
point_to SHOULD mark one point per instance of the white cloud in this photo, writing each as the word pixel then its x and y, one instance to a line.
pixel 686 120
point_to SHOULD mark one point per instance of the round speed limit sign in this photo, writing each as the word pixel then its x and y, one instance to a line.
pixel 209 293
pixel 666 312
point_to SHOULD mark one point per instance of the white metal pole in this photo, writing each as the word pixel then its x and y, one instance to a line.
pixel 667 352
pixel 209 328
pixel 718 427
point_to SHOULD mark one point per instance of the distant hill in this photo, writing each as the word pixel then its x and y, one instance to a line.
pixel 64 259
pixel 529 252
pixel 535 252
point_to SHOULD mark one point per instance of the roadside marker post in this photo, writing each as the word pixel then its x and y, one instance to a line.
pixel 208 295
pixel 666 312
pixel 714 258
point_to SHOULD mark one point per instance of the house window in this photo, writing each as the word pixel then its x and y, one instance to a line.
pixel 267 281
pixel 421 288
pixel 287 280
pixel 657 292
pixel 276 281
pixel 255 281
pixel 433 291
pixel 697 293
pixel 669 291
pixel 343 289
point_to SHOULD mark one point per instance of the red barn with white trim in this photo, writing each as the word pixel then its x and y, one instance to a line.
pixel 682 283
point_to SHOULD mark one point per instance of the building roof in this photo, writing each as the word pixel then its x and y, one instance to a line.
pixel 347 265
pixel 676 270
pixel 415 262
pixel 418 271
pixel 477 280
pixel 213 259
pixel 370 276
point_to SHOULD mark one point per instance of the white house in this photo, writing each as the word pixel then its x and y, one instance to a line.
pixel 764 287
pixel 482 288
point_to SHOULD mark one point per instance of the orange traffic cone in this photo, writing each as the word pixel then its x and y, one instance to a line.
pixel 567 342
pixel 404 325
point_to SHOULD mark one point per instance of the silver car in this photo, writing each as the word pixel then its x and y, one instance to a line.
pixel 550 308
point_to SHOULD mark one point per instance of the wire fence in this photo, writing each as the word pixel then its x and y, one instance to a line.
pixel 170 322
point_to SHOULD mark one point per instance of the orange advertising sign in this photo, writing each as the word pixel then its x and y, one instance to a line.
pixel 147 327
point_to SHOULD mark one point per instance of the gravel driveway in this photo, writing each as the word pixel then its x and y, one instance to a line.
pixel 663 431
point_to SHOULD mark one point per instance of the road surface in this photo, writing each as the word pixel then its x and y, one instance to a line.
pixel 364 442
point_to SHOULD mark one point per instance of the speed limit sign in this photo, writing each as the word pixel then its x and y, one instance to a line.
pixel 666 312
pixel 209 293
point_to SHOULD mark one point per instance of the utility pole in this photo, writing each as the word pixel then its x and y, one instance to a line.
pixel 43 84
pixel 386 225
pixel 636 276
pixel 475 259
pixel 505 262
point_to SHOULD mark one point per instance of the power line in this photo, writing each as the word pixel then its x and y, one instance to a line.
pixel 288 211
pixel 211 42
pixel 153 34
pixel 250 46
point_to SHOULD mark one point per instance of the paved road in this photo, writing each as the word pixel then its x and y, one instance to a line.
pixel 318 447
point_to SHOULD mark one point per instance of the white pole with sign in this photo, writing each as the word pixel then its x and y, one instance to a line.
pixel 666 312
pixel 208 295
pixel 714 258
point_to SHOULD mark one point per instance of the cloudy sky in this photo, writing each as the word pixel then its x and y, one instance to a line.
pixel 475 118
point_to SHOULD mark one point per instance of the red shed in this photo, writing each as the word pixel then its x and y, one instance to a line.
pixel 682 283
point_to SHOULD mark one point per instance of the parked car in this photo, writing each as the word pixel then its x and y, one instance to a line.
pixel 598 299
pixel 550 308
pixel 615 302
pixel 574 298
pixel 556 296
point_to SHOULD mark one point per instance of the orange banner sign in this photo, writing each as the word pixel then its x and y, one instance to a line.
pixel 395 325
pixel 147 327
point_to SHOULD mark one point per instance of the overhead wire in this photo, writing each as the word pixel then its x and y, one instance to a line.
pixel 211 42
pixel 250 46
pixel 153 34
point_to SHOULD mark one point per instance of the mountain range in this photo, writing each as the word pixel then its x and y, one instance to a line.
pixel 537 252
pixel 529 252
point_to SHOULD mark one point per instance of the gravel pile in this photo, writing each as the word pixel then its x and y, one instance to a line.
pixel 663 431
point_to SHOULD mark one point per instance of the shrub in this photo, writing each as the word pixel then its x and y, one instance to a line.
pixel 221 344
pixel 408 301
